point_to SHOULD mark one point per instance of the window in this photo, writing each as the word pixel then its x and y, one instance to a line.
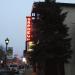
pixel 33 14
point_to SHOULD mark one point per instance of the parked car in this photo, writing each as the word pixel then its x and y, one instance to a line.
pixel 12 67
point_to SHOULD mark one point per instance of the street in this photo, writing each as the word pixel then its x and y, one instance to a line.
pixel 27 72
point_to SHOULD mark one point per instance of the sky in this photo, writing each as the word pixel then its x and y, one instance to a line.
pixel 13 21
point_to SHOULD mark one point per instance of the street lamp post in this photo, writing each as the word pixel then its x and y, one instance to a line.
pixel 6 42
pixel 24 60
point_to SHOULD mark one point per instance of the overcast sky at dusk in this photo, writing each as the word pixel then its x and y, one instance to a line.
pixel 13 20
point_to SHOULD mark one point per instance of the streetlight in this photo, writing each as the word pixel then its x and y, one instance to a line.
pixel 6 42
pixel 24 60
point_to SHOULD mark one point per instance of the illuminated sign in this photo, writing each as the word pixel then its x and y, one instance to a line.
pixel 30 46
pixel 28 28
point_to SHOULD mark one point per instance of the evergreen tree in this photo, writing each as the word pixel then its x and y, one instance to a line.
pixel 54 45
pixel 2 53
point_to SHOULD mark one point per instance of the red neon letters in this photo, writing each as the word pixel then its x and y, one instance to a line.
pixel 28 28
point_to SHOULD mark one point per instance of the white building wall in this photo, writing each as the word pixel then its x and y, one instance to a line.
pixel 70 21
pixel 69 69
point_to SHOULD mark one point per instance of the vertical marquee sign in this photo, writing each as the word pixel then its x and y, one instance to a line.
pixel 28 28
pixel 28 31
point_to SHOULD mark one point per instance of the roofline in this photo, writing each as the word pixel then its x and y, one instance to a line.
pixel 66 4
pixel 62 4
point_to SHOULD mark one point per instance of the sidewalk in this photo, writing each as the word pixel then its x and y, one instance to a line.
pixel 30 72
pixel 33 73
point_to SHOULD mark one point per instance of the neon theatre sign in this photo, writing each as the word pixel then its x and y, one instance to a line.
pixel 28 28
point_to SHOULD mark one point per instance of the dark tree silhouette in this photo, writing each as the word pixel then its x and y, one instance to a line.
pixel 53 44
pixel 2 52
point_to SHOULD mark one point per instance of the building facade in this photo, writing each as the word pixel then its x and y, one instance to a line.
pixel 70 22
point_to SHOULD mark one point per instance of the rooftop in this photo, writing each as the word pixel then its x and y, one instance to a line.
pixel 67 4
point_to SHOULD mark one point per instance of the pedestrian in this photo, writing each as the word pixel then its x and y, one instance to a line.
pixel 12 71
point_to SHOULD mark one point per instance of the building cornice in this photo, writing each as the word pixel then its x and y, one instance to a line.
pixel 66 4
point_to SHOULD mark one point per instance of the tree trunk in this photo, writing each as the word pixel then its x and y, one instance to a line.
pixel 60 69
pixel 40 69
pixel 34 67
pixel 52 68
